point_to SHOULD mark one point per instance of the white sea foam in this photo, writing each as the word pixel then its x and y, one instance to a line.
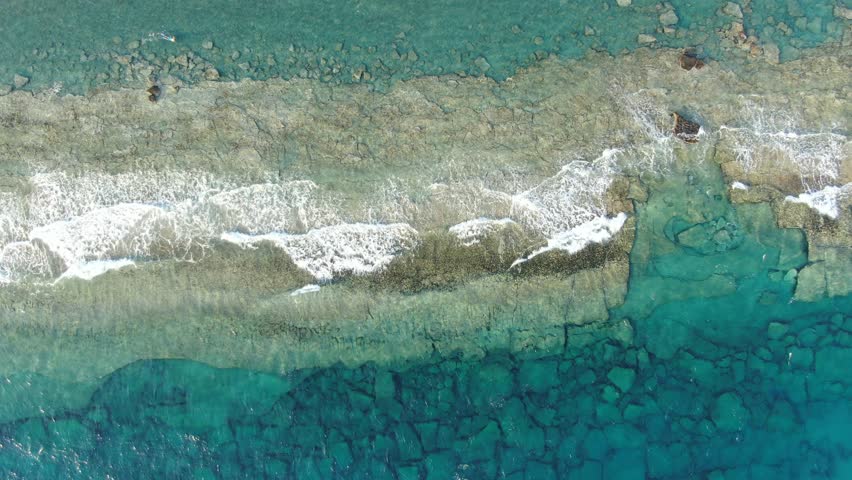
pixel 739 186
pixel 773 135
pixel 12 215
pixel 597 230
pixel 311 288
pixel 117 231
pixel 825 201
pixel 573 196
pixel 645 107
pixel 472 231
pixel 290 206
pixel 144 215
pixel 59 196
pixel 24 259
pixel 469 198
pixel 90 270
pixel 340 249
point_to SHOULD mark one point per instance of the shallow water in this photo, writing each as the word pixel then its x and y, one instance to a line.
pixel 85 45
pixel 731 380
pixel 425 278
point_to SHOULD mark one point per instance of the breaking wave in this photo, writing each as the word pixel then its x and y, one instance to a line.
pixel 61 226
pixel 774 138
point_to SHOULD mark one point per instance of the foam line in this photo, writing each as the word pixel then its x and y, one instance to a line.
pixel 472 231
pixel 311 288
pixel 598 230
pixel 327 252
pixel 825 201
pixel 90 270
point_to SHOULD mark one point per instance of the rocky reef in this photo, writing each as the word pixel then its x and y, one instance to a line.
pixel 433 152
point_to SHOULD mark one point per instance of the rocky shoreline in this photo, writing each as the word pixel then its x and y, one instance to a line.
pixel 233 307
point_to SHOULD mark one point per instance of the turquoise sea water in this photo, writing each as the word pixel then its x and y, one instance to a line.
pixel 703 375
pixel 710 370
pixel 86 44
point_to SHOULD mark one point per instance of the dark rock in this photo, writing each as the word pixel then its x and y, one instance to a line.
pixel 154 93
pixel 689 60
pixel 832 364
pixel 684 129
pixel 544 416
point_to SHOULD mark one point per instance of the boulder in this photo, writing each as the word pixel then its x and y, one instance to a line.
pixel 668 461
pixel 407 442
pixel 622 378
pixel 832 364
pixel 732 10
pixel 538 375
pixel 519 429
pixel 20 81
pixel 668 18
pixel 440 465
pixel 729 413
pixel 776 330
pixel 383 385
pixel 539 471
pixel 481 445
pixel 595 445
pixel 490 384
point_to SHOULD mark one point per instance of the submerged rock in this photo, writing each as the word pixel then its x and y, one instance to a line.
pixel 623 378
pixel 211 74
pixel 669 18
pixel 20 81
pixel 729 412
pixel 733 10
pixel 843 12
pixel 777 330
pixel 644 38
